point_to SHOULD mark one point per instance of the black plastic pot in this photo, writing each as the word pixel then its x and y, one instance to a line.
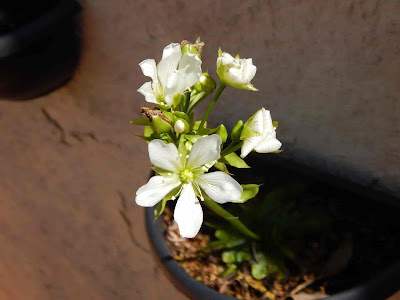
pixel 382 286
pixel 41 55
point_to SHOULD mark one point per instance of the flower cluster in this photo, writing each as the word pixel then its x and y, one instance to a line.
pixel 183 150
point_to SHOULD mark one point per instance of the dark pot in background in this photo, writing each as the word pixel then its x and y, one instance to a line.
pixel 42 54
pixel 382 286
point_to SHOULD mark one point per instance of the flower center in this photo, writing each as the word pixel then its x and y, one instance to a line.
pixel 186 176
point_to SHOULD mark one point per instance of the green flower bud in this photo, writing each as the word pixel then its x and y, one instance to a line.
pixel 181 126
pixel 237 130
pixel 221 131
pixel 161 124
pixel 207 83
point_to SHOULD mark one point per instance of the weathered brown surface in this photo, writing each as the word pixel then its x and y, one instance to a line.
pixel 328 70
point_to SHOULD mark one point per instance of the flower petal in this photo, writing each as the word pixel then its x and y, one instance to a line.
pixel 268 127
pixel 149 69
pixel 171 56
pixel 188 213
pixel 257 124
pixel 176 83
pixel 164 156
pixel 249 144
pixel 248 70
pixel 220 187
pixel 155 189
pixel 268 144
pixel 190 68
pixel 204 150
pixel 147 92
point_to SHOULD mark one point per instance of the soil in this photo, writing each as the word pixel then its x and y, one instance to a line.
pixel 362 239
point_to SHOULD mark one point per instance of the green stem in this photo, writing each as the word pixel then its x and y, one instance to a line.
pixel 217 209
pixel 231 149
pixel 211 105
pixel 187 102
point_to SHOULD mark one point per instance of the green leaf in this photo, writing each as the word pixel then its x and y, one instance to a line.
pixel 229 257
pixel 259 270
pixel 141 121
pixel 243 255
pixel 231 269
pixel 234 160
pixel 249 191
pixel 229 238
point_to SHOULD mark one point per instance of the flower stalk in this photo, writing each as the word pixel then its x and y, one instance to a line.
pixel 211 105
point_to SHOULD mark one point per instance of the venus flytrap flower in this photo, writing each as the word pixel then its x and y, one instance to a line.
pixel 174 74
pixel 259 134
pixel 236 72
pixel 187 174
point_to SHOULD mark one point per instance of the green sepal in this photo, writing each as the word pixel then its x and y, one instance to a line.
pixel 161 205
pixel 234 160
pixel 207 131
pixel 249 192
pixel 197 124
pixel 148 139
pixel 192 137
pixel 275 124
pixel 219 52
pixel 276 151
pixel 221 131
pixel 180 115
pixel 161 171
pixel 141 121
pixel 237 130
pixel 186 125
pixel 222 167
pixel 177 99
pixel 183 151
pixel 148 131
pixel 237 56
pixel 247 132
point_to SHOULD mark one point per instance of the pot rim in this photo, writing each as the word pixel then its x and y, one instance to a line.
pixel 20 38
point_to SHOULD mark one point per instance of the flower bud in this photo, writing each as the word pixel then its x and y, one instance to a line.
pixel 207 83
pixel 221 131
pixel 181 126
pixel 237 130
pixel 236 72
pixel 160 124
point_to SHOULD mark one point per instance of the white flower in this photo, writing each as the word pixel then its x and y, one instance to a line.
pixel 174 74
pixel 263 137
pixel 236 72
pixel 187 174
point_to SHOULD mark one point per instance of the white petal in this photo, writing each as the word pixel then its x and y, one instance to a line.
pixel 204 150
pixel 166 67
pixel 248 70
pixel 268 127
pixel 220 187
pixel 149 68
pixel 164 156
pixel 188 213
pixel 147 92
pixel 157 188
pixel 176 83
pixel 249 144
pixel 190 68
pixel 234 76
pixel 257 124
pixel 269 144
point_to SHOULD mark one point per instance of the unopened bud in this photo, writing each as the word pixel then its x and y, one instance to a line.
pixel 237 130
pixel 221 131
pixel 207 83
pixel 181 126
